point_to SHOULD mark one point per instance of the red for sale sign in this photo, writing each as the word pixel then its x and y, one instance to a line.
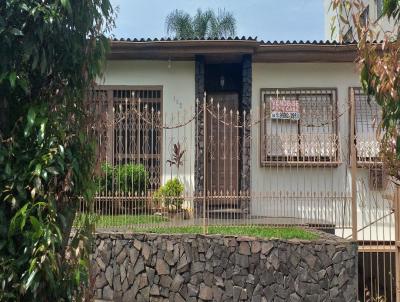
pixel 285 109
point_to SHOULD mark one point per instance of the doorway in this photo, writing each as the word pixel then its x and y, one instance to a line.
pixel 223 141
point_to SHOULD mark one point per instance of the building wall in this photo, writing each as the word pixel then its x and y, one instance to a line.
pixel 178 83
pixel 304 179
pixel 177 80
pixel 307 75
pixel 378 23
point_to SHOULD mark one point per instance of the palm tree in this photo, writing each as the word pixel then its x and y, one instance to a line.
pixel 203 24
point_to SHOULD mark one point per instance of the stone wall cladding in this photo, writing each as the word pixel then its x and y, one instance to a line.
pixel 199 134
pixel 245 105
pixel 153 267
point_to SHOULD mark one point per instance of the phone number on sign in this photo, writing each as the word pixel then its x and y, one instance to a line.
pixel 285 115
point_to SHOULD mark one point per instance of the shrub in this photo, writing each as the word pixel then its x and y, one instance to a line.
pixel 123 178
pixel 105 180
pixel 170 194
pixel 131 178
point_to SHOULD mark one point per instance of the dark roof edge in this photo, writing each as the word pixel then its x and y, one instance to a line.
pixel 289 51
pixel 243 38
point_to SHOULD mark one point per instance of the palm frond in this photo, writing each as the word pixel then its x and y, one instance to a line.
pixel 179 24
pixel 225 24
pixel 202 22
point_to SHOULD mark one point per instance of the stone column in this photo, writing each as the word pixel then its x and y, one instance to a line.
pixel 246 134
pixel 199 135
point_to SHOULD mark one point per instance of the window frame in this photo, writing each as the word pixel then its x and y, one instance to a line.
pixel 362 161
pixel 266 161
pixel 111 131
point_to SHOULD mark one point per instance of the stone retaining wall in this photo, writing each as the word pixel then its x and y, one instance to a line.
pixel 152 267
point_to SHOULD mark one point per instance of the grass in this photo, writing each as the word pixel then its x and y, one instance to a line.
pixel 104 221
pixel 123 220
pixel 253 231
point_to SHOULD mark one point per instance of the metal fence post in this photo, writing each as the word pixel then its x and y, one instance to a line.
pixel 204 163
pixel 353 163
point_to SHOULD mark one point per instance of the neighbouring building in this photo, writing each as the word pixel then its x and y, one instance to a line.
pixel 372 13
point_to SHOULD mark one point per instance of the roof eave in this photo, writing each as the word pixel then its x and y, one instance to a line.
pixel 281 53
pixel 262 52
pixel 179 49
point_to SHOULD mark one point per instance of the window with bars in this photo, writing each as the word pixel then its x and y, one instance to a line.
pixel 299 125
pixel 132 123
pixel 368 116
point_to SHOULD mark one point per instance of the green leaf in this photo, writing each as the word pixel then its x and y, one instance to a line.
pixel 38 169
pixel 24 85
pixel 7 169
pixel 12 77
pixel 37 182
pixel 19 219
pixel 31 116
pixel 67 5
pixel 35 223
pixel 30 279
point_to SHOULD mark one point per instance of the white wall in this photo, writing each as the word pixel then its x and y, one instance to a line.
pixel 317 180
pixel 307 75
pixel 178 82
pixel 298 179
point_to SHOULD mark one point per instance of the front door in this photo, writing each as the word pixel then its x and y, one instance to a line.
pixel 222 145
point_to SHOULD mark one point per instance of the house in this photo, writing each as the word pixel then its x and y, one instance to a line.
pixel 257 132
pixel 278 122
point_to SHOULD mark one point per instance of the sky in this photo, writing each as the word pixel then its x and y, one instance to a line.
pixel 266 19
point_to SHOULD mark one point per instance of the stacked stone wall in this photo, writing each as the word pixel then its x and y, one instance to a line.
pixel 152 267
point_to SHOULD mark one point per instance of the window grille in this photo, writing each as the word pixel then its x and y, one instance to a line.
pixel 368 116
pixel 133 123
pixel 377 179
pixel 310 136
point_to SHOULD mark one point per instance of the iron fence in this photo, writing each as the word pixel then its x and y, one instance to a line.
pixel 301 157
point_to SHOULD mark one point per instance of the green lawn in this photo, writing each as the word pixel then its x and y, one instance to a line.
pixel 254 231
pixel 123 220
pixel 104 221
